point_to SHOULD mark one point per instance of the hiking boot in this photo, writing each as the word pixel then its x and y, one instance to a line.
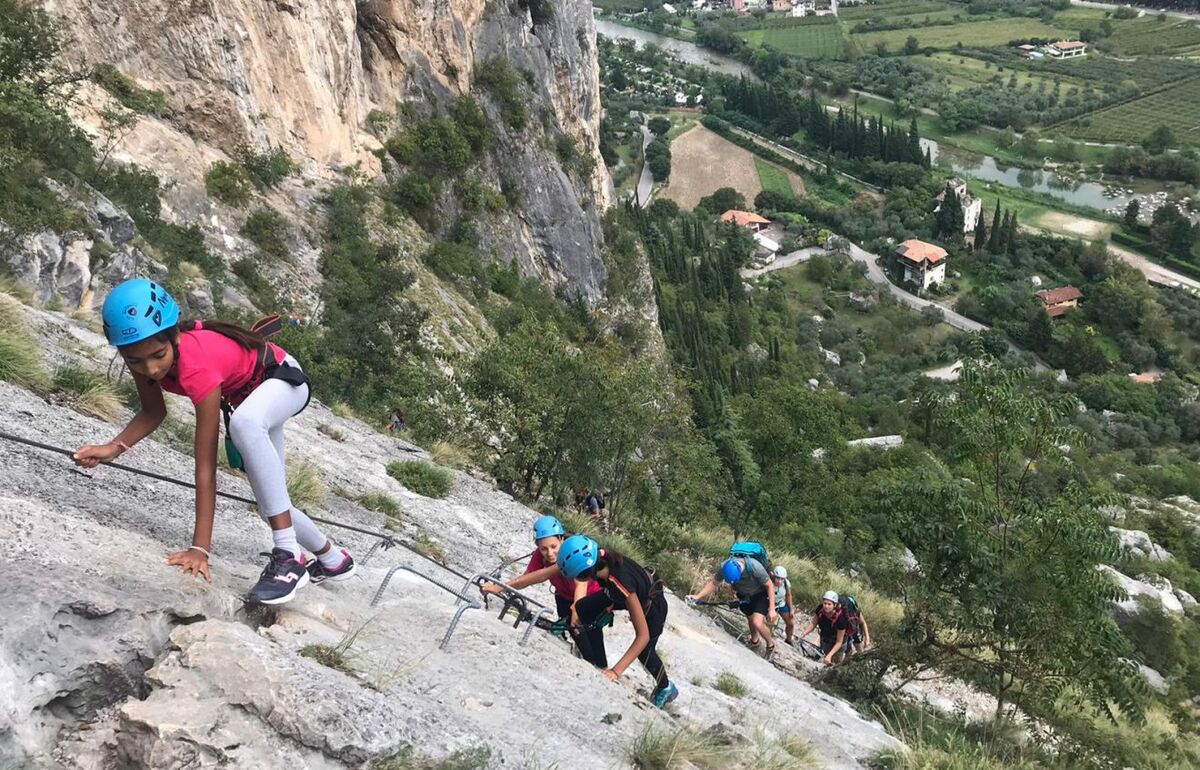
pixel 666 695
pixel 318 573
pixel 280 579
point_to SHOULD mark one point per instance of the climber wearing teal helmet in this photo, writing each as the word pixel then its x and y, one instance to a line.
pixel 136 310
pixel 548 536
pixel 220 368
pixel 625 585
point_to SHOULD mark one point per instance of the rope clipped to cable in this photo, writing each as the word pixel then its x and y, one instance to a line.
pixel 388 540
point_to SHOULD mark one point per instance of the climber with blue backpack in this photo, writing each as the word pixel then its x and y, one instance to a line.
pixel 220 367
pixel 548 536
pixel 746 571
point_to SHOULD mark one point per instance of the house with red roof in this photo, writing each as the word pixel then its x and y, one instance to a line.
pixel 746 219
pixel 1058 302
pixel 924 263
pixel 1067 49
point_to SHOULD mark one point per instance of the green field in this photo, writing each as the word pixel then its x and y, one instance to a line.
pixel 1176 107
pixel 1148 35
pixel 983 34
pixel 623 6
pixel 964 72
pixel 808 41
pixel 1149 74
pixel 772 178
pixel 894 10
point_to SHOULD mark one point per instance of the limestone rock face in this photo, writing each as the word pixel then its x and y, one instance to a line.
pixel 119 661
pixel 305 74
pixel 1138 543
pixel 1137 588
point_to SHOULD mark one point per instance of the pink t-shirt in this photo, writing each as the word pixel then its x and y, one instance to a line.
pixel 563 586
pixel 207 360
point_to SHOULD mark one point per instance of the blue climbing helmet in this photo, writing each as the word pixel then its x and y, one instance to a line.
pixel 137 310
pixel 577 554
pixel 547 526
pixel 731 570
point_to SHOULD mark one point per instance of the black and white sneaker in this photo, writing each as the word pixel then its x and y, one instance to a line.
pixel 318 573
pixel 283 576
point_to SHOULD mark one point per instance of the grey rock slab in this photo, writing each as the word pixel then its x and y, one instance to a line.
pixel 99 540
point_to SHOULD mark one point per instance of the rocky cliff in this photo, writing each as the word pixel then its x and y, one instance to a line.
pixel 305 75
pixel 111 659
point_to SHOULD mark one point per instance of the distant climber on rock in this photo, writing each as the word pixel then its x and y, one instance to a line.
pixel 746 572
pixel 220 368
pixel 831 620
pixel 593 504
pixel 548 536
pixel 784 602
pixel 625 585
pixel 396 421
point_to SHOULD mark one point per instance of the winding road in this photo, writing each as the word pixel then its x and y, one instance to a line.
pixel 876 275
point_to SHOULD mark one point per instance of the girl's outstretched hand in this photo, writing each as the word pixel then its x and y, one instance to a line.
pixel 93 454
pixel 191 562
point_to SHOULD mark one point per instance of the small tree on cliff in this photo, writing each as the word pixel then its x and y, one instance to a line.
pixel 1008 538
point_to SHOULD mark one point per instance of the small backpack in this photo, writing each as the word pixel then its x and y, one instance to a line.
pixel 849 605
pixel 752 550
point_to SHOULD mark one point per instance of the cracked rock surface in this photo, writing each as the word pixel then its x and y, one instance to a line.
pixel 111 659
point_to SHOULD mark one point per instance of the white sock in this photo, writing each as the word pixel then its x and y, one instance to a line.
pixel 332 558
pixel 286 539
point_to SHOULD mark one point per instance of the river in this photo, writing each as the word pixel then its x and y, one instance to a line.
pixel 986 169
pixel 982 167
pixel 683 50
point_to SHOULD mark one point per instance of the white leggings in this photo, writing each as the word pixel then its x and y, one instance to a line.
pixel 256 427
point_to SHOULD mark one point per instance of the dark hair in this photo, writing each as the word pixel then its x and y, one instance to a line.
pixel 611 559
pixel 244 337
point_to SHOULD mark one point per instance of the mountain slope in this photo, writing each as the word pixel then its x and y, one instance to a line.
pixel 314 78
pixel 120 661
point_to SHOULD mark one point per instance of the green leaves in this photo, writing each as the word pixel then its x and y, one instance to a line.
pixel 1009 592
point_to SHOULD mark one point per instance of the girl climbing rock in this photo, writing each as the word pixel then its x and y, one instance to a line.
pixel 548 536
pixel 626 585
pixel 219 367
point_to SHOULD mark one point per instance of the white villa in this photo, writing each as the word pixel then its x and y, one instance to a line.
pixel 972 207
pixel 1066 49
pixel 924 263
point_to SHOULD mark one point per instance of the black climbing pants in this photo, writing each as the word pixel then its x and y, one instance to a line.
pixel 591 607
pixel 589 641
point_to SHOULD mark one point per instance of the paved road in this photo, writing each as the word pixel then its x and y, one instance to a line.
pixel 877 276
pixel 1155 273
pixel 787 260
pixel 645 185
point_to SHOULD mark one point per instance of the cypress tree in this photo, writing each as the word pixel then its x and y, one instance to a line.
pixel 993 244
pixel 979 241
pixel 950 216
pixel 1010 234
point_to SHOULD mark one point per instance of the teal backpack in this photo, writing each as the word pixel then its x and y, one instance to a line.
pixel 751 550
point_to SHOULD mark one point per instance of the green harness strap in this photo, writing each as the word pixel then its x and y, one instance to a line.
pixel 559 627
